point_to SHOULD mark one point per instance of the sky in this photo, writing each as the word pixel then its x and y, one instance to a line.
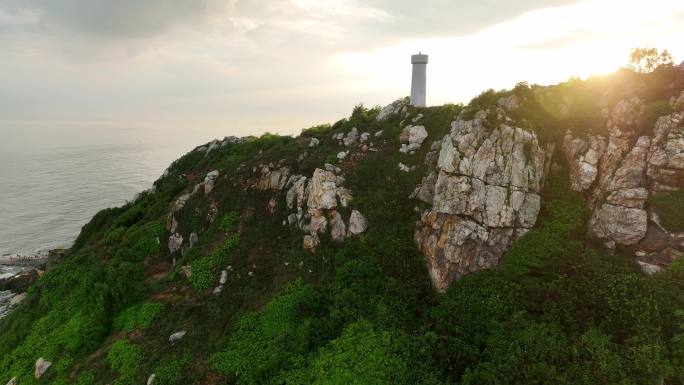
pixel 211 68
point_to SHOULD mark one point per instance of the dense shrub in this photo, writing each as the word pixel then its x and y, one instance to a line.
pixel 139 316
pixel 124 358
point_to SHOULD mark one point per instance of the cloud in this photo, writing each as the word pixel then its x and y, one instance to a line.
pixel 114 18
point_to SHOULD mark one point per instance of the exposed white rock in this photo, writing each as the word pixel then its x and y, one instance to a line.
pixel 13 381
pixel 224 277
pixel 648 268
pixel 357 223
pixel 150 379
pixel 310 242
pixel 177 336
pixel 175 242
pixel 351 138
pixel 42 366
pixel 194 238
pixel 364 137
pixel 378 133
pixel 209 181
pixel 181 201
pixel 391 110
pixel 322 190
pixel 412 138
pixel 314 142
pixel 341 155
pixel 404 167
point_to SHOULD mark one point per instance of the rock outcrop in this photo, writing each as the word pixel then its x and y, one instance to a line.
pixel 393 109
pixel 619 172
pixel 315 201
pixel 483 184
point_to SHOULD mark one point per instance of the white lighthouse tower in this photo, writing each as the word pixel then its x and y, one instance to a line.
pixel 419 62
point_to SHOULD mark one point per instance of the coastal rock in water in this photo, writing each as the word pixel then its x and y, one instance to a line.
pixel 41 367
pixel 177 336
pixel 484 188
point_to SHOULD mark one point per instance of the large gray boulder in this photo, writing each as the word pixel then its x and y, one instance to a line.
pixel 483 184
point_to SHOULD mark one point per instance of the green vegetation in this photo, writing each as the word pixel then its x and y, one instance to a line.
pixel 124 358
pixel 555 311
pixel 669 206
pixel 139 316
pixel 170 370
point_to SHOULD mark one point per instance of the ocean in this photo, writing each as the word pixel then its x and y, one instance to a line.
pixel 52 181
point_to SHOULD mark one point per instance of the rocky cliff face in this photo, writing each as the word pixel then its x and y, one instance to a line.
pixel 483 185
pixel 619 172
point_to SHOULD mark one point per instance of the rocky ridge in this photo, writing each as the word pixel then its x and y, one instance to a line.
pixel 619 173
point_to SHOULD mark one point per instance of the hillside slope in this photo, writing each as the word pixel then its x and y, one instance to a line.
pixel 440 245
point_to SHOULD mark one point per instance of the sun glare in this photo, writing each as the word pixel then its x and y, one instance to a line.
pixel 544 46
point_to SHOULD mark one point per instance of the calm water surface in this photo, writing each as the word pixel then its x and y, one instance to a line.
pixel 53 181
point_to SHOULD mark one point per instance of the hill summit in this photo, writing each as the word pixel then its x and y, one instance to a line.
pixel 531 236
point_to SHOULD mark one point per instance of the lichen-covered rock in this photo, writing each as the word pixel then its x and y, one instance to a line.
pixel 484 188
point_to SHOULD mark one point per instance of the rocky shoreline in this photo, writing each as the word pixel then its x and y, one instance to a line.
pixel 18 272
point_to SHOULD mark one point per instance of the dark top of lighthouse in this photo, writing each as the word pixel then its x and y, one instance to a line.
pixel 419 59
